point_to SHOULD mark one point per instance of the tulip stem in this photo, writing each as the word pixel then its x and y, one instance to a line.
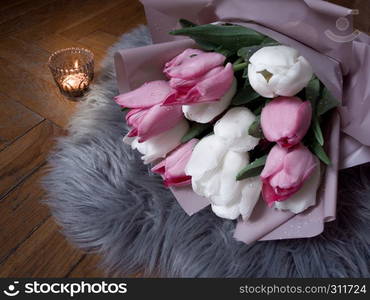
pixel 238 61
pixel 239 67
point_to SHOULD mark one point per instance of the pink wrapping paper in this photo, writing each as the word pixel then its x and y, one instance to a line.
pixel 348 138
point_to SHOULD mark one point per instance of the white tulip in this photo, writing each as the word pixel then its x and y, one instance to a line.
pixel 251 190
pixel 305 197
pixel 278 70
pixel 159 145
pixel 206 112
pixel 233 128
pixel 201 164
pixel 216 161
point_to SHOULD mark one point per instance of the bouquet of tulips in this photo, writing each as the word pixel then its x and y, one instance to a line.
pixel 239 116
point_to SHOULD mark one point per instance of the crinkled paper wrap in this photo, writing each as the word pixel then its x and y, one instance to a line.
pixel 342 66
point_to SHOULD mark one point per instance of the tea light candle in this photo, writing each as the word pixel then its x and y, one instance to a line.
pixel 75 82
pixel 73 70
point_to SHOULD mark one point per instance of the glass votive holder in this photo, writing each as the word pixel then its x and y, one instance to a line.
pixel 72 70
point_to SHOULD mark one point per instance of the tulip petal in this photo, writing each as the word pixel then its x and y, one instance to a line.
pixel 147 95
pixel 157 120
pixel 177 161
pixel 160 167
pixel 206 156
pixel 299 164
pixel 208 88
pixel 289 72
pixel 187 54
pixel 173 166
pixel 208 185
pixel 280 56
pixel 251 191
pixel 305 197
pixel 295 79
pixel 213 87
pixel 177 181
pixel 304 114
pixel 133 132
pixel 189 65
pixel 230 212
pixel 233 128
pixel 274 162
pixel 268 194
pixel 258 82
pixel 285 172
pixel 206 112
pixel 285 120
pixel 135 116
pixel 159 145
pixel 229 190
pixel 184 85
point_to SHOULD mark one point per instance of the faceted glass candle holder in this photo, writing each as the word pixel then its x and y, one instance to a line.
pixel 73 70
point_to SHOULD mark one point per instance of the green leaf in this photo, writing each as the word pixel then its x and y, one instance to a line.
pixel 194 131
pixel 258 110
pixel 186 23
pixel 269 41
pixel 125 109
pixel 317 130
pixel 247 52
pixel 206 45
pixel 255 129
pixel 312 92
pixel 223 51
pixel 244 96
pixel 253 169
pixel 231 37
pixel 327 102
pixel 320 152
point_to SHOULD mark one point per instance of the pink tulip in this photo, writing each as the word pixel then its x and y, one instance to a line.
pixel 172 168
pixel 192 63
pixel 147 117
pixel 197 77
pixel 285 171
pixel 207 88
pixel 285 120
pixel 147 95
pixel 148 122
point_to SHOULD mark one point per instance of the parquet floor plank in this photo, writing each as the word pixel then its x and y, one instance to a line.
pixel 72 14
pixel 46 253
pixel 88 267
pixel 40 96
pixel 15 120
pixel 26 154
pixel 97 21
pixel 133 17
pixel 27 56
pixel 32 113
pixel 18 9
pixel 21 213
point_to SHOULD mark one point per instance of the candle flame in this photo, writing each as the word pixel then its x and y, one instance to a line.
pixel 76 64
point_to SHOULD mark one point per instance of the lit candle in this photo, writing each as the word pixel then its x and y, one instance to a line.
pixel 73 70
pixel 74 82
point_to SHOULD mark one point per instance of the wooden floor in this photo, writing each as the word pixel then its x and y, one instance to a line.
pixel 33 114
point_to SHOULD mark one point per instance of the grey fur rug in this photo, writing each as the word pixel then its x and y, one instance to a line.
pixel 107 202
